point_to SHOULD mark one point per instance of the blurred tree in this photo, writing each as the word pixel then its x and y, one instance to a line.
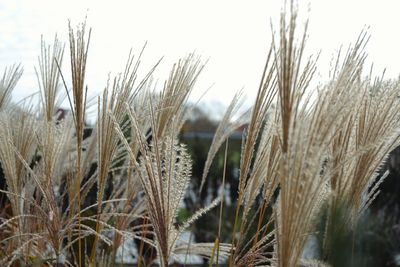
pixel 198 132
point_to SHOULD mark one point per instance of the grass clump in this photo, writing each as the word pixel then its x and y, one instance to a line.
pixel 71 198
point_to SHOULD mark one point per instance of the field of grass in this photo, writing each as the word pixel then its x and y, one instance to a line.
pixel 308 162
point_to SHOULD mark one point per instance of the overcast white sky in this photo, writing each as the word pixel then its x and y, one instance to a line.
pixel 233 35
